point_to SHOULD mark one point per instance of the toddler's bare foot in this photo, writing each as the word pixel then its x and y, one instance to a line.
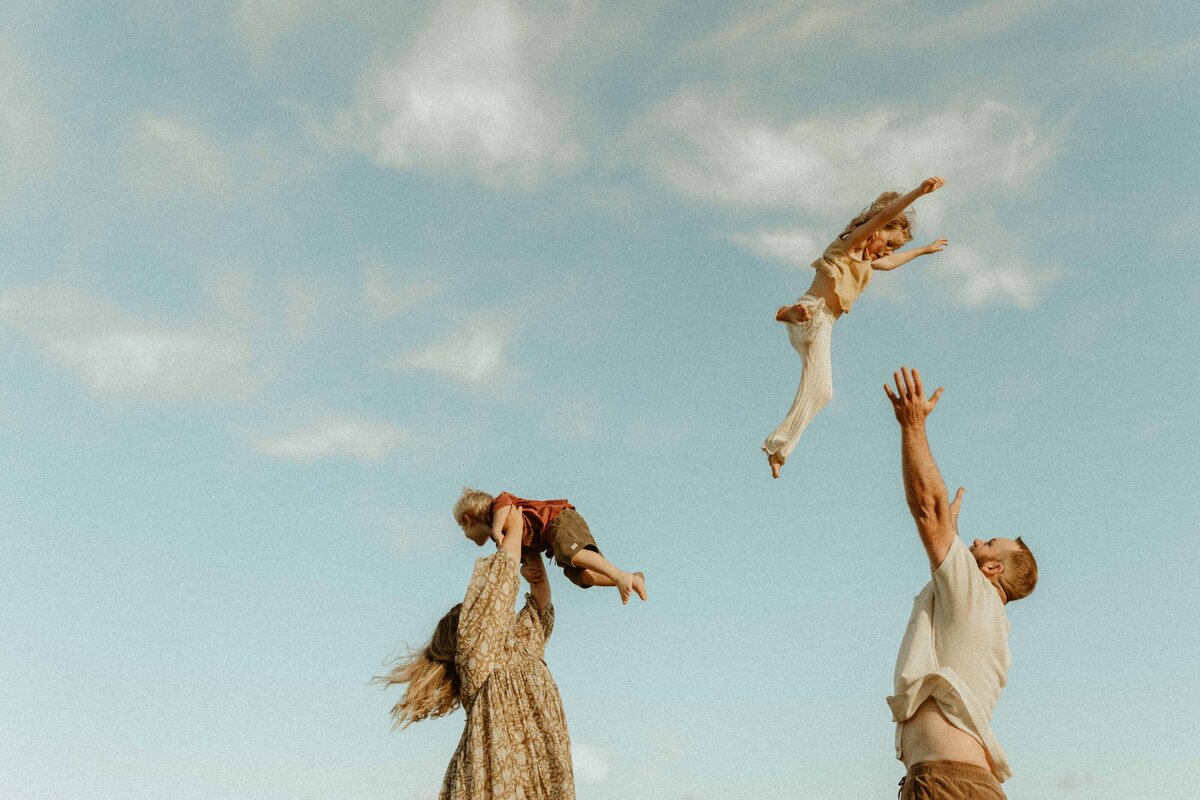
pixel 776 461
pixel 639 585
pixel 630 582
pixel 794 313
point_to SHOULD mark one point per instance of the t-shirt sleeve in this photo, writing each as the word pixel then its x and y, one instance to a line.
pixel 961 592
pixel 503 499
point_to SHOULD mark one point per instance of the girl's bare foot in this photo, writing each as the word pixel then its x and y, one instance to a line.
pixel 776 461
pixel 630 582
pixel 794 313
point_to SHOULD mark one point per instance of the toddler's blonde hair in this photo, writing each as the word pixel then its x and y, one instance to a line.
pixel 898 231
pixel 433 684
pixel 473 502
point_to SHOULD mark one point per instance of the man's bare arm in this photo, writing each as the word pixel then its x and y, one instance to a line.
pixel 924 489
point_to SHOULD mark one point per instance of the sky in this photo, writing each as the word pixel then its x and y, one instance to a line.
pixel 280 277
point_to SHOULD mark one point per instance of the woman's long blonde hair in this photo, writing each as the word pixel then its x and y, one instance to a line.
pixel 898 230
pixel 433 685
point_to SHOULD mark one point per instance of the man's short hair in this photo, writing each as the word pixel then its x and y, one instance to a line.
pixel 1020 572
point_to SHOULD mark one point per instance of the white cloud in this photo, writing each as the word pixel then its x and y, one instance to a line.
pixel 592 763
pixel 475 353
pixel 260 22
pixel 333 437
pixel 28 135
pixel 976 280
pixel 116 355
pixel 463 99
pixel 798 247
pixel 167 155
pixel 710 149
pixel 782 27
pixel 385 298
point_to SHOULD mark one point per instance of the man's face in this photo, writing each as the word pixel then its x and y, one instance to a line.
pixel 992 550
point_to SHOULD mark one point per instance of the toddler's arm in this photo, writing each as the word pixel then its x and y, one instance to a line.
pixel 498 520
pixel 900 259
pixel 886 214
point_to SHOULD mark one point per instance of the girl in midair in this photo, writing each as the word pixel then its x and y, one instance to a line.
pixel 843 272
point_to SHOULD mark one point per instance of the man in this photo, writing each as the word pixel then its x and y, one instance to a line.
pixel 954 658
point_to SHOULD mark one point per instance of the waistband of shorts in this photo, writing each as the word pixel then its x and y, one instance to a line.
pixel 953 769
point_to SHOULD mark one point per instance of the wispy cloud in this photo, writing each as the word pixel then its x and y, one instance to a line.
pixel 385 296
pixel 258 23
pixel 779 26
pixel 28 134
pixel 166 155
pixel 974 279
pixel 798 247
pixel 333 437
pixel 464 98
pixel 117 355
pixel 474 353
pixel 708 148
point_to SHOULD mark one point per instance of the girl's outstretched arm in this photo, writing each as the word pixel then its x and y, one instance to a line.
pixel 889 212
pixel 900 259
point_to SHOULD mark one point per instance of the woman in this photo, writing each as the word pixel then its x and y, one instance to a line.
pixel 489 660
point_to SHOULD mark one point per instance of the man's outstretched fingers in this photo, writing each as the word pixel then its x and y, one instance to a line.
pixel 933 401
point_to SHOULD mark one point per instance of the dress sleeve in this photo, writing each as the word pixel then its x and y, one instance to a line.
pixel 485 624
pixel 534 626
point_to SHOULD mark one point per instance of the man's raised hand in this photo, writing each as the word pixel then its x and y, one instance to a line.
pixel 908 400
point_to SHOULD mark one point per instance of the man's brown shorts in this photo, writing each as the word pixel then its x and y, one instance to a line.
pixel 949 780
pixel 567 534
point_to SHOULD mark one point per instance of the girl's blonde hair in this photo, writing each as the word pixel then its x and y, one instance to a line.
pixel 898 231
pixel 433 684
pixel 473 502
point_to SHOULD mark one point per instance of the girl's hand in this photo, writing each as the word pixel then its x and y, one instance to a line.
pixel 936 246
pixel 931 185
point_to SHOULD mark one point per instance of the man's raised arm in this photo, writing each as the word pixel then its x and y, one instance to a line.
pixel 936 517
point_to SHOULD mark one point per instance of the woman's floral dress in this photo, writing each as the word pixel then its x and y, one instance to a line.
pixel 515 745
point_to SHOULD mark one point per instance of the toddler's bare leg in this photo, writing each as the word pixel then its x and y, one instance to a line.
pixel 626 582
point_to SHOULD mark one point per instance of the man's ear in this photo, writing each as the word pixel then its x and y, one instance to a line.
pixel 992 568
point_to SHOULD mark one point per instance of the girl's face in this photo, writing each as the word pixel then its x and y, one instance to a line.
pixel 877 246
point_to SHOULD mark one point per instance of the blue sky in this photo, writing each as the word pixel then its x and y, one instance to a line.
pixel 281 276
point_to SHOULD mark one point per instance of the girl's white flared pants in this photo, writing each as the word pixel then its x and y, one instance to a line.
pixel 811 341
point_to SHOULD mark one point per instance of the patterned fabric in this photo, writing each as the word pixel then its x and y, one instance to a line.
pixel 515 745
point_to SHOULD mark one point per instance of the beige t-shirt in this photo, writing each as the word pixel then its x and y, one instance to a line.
pixel 848 275
pixel 955 650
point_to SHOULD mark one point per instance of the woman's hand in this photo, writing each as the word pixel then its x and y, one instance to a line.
pixel 935 246
pixel 534 572
pixel 931 185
